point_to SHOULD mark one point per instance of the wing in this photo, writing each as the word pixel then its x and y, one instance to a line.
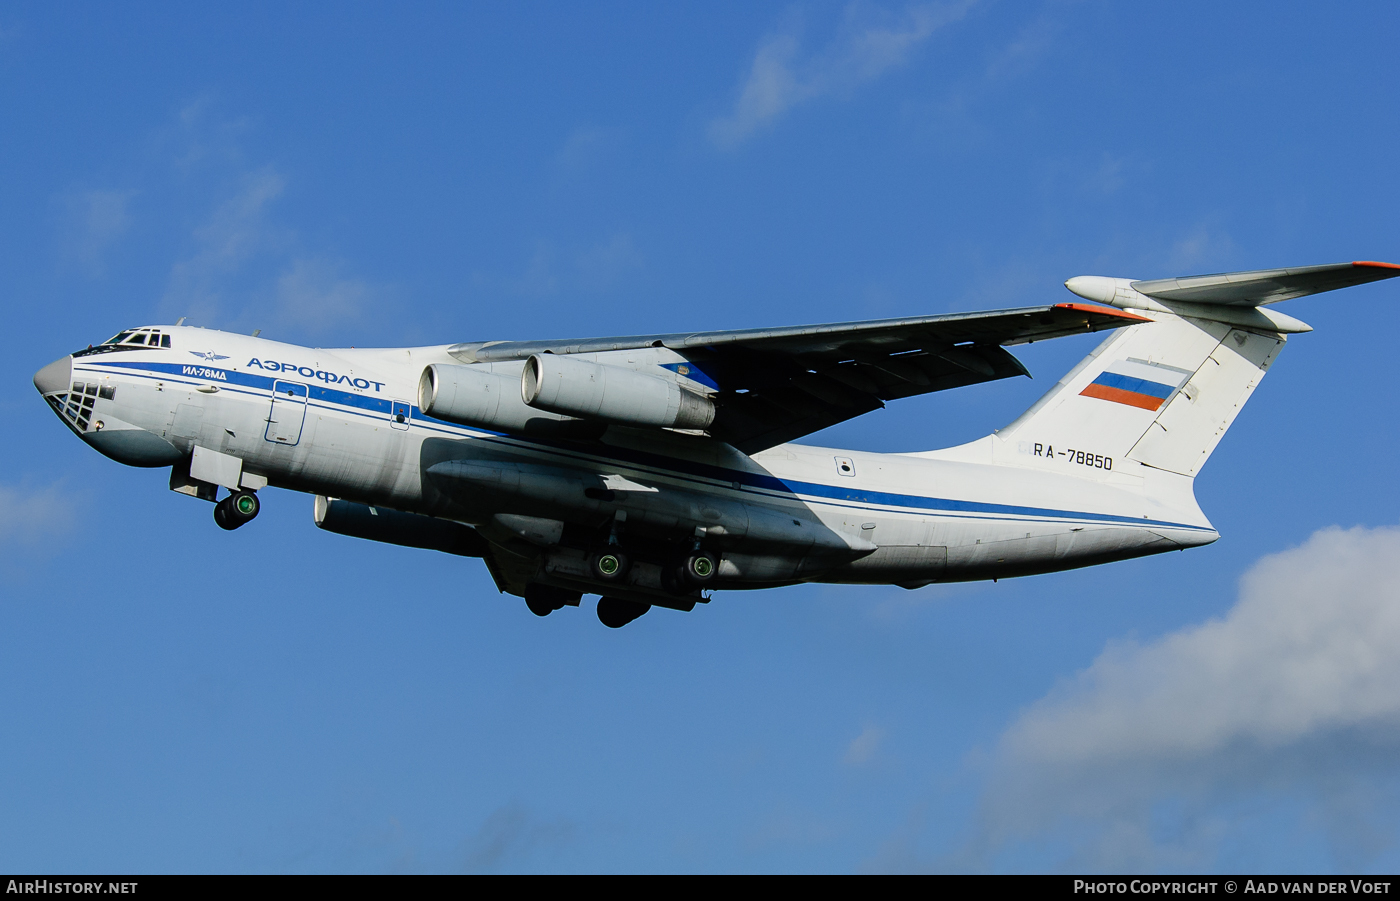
pixel 1264 286
pixel 775 385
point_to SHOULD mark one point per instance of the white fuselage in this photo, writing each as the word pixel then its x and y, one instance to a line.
pixel 327 422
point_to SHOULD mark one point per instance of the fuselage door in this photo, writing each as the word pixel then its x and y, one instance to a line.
pixel 288 413
pixel 399 415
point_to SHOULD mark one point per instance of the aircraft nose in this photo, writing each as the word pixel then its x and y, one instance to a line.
pixel 54 377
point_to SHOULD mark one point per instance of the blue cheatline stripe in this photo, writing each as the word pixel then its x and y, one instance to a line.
pixel 671 466
pixel 1138 386
pixel 843 495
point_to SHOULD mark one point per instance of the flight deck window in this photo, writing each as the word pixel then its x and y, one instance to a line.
pixel 164 340
pixel 107 392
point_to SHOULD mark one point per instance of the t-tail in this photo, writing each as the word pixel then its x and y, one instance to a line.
pixel 1153 400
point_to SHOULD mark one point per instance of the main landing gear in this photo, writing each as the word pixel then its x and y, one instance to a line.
pixel 696 570
pixel 238 509
pixel 616 613
pixel 545 599
pixel 610 565
pixel 682 573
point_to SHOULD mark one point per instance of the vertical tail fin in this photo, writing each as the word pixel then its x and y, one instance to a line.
pixel 1161 394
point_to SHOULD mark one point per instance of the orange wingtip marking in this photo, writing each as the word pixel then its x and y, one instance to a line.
pixel 1376 265
pixel 1102 311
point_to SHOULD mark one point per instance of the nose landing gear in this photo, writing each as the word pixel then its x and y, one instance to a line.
pixel 238 509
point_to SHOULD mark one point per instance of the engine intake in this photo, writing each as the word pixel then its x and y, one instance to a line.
pixel 574 387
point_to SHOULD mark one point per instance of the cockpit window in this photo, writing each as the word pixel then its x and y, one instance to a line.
pixel 129 339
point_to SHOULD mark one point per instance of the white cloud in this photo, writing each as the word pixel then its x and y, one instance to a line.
pixel 512 833
pixel 315 294
pixel 1202 246
pixel 1024 51
pixel 550 270
pixel 778 79
pixel 246 270
pixel 1108 177
pixel 29 516
pixel 864 746
pixel 787 826
pixel 1293 697
pixel 585 146
pixel 538 279
pixel 97 219
pixel 603 264
pixel 236 231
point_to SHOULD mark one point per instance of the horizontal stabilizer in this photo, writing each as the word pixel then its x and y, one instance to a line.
pixel 1265 286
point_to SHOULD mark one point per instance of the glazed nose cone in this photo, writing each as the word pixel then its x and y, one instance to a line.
pixel 54 377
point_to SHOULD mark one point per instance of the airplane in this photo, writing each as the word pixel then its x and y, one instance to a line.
pixel 654 470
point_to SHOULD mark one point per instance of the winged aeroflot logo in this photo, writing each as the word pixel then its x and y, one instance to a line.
pixel 210 355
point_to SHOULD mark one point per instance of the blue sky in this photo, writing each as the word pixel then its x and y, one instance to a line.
pixel 177 698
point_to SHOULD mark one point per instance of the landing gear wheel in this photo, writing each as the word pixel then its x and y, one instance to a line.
pixel 238 509
pixel 610 565
pixel 700 567
pixel 545 599
pixel 693 571
pixel 616 613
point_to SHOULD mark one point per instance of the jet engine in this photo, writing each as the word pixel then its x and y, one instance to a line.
pixel 478 396
pixel 573 387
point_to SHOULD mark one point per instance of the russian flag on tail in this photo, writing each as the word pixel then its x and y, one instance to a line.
pixel 1137 383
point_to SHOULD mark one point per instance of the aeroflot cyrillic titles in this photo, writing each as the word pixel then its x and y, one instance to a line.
pixel 311 372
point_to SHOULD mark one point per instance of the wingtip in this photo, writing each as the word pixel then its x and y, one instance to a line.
pixel 1372 264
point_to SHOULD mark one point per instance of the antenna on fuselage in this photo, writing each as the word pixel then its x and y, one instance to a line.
pixel 181 321
pixel 256 332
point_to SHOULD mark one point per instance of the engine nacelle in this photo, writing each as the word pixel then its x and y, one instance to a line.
pixel 477 396
pixel 562 384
